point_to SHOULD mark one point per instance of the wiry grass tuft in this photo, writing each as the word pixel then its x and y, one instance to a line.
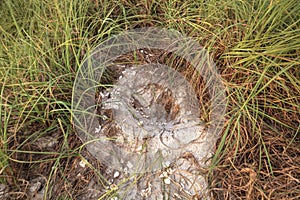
pixel 255 45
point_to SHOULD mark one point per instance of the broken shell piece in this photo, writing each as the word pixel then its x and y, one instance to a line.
pixel 82 164
pixel 35 187
pixel 116 174
pixel 140 123
pixel 97 130
pixel 139 148
pixel 163 175
pixel 167 181
pixel 166 164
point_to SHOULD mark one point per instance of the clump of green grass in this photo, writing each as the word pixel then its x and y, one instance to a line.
pixel 256 48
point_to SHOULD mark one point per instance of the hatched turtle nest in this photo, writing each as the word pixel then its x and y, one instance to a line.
pixel 152 113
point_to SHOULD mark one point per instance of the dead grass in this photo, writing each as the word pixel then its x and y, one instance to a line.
pixel 254 44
